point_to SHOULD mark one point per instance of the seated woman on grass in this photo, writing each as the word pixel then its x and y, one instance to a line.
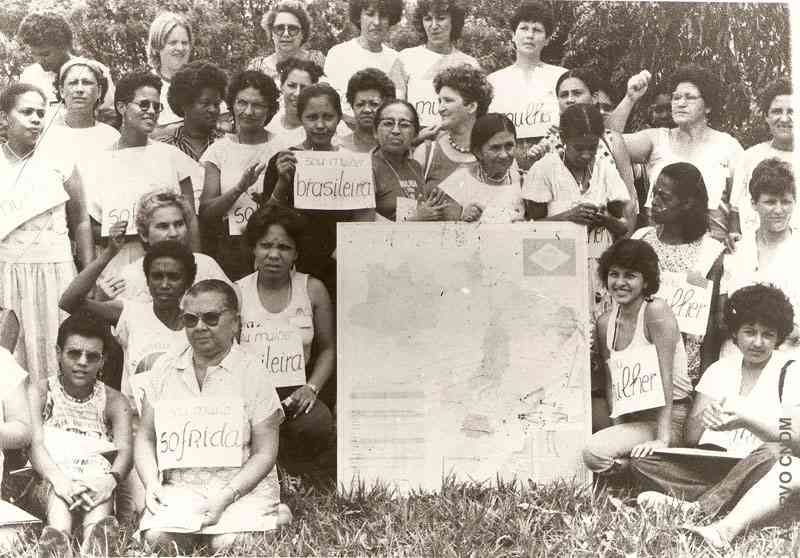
pixel 74 419
pixel 647 385
pixel 737 408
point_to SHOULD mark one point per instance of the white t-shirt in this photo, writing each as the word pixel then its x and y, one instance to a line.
pixel 12 375
pixel 71 145
pixel 347 58
pixel 723 379
pixel 527 98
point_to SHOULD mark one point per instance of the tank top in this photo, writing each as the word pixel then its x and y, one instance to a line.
pixel 681 385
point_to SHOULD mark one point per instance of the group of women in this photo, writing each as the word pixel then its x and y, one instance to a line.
pixel 192 249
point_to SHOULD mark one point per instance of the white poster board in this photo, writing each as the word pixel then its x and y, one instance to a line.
pixel 280 346
pixel 333 180
pixel 199 432
pixel 635 380
pixel 690 303
pixel 423 96
pixel 462 350
pixel 533 117
pixel 18 204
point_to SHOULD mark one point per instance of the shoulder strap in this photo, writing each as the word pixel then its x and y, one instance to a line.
pixel 782 379
pixel 429 157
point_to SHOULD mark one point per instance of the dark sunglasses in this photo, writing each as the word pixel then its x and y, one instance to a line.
pixel 92 357
pixel 209 318
pixel 145 104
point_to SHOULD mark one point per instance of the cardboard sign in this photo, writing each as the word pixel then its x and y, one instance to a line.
pixel 241 211
pixel 423 96
pixel 599 240
pixel 533 118
pixel 333 180
pixel 281 349
pixel 199 432
pixel 635 380
pixel 406 209
pixel 12 515
pixel 19 204
pixel 121 200
pixel 690 303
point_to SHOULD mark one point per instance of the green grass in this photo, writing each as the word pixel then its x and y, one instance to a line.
pixel 472 520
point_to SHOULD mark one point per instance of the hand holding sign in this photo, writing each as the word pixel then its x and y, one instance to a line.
pixel 116 237
pixel 285 164
pixel 646 448
pixel 300 401
pixel 333 180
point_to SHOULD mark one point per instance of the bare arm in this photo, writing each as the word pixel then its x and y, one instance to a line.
pixel 662 329
pixel 78 219
pixel 622 160
pixel 214 205
pixel 637 87
pixel 119 413
pixel 15 430
pixel 144 448
pixel 194 227
pixel 694 422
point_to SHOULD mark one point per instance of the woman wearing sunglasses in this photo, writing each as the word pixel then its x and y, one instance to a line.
pixel 288 25
pixel 287 319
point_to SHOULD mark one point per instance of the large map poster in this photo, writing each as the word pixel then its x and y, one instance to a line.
pixel 462 350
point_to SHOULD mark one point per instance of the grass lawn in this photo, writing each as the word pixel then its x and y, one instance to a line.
pixel 470 520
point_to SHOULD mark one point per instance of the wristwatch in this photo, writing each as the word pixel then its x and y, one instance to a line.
pixel 313 388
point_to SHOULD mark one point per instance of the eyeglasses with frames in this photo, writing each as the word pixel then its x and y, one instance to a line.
pixel 92 357
pixel 390 123
pixel 241 105
pixel 145 104
pixel 282 29
pixel 209 318
pixel 688 98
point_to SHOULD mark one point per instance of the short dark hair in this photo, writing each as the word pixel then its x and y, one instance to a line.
pixel 763 304
pixel 292 222
pixel 389 102
pixel 533 12
pixel 294 7
pixel 129 83
pixel 772 176
pixel 86 324
pixel 580 120
pixel 487 126
pixel 39 29
pixel 369 78
pixel 175 250
pixel 633 254
pixel 9 95
pixel 319 90
pixel 706 82
pixel 587 76
pixel 781 86
pixel 470 82
pixel 188 83
pixel 285 68
pixel 689 185
pixel 451 7
pixel 215 286
pixel 392 9
pixel 257 80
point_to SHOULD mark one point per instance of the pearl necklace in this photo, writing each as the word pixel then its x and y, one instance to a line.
pixel 454 145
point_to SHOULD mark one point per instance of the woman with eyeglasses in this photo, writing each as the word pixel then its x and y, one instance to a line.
pixel 36 259
pixel 696 103
pixel 169 47
pixel 288 26
pixel 287 319
pixel 366 90
pixel 214 498
pixel 117 179
pixel 234 167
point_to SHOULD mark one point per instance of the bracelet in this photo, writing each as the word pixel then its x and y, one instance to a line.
pixel 236 493
pixel 313 388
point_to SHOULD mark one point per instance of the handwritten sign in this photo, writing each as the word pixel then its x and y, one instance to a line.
pixel 199 432
pixel 423 96
pixel 281 349
pixel 690 303
pixel 240 212
pixel 120 202
pixel 333 180
pixel 19 204
pixel 635 380
pixel 533 118
pixel 599 241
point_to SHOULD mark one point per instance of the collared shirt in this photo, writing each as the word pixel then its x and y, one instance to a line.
pixel 180 140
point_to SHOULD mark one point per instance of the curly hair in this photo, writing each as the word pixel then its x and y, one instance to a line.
pixel 487 126
pixel 587 76
pixel 581 120
pixel 292 222
pixel 188 83
pixel 310 67
pixel 369 78
pixel 84 323
pixel 175 250
pixel 781 86
pixel 772 176
pixel 160 29
pixel 689 185
pixel 151 201
pixel 533 12
pixel 9 95
pixel 294 7
pixel 319 90
pixel 389 102
pixel 763 304
pixel 707 83
pixel 129 83
pixel 636 255
pixel 41 29
pixel 452 7
pixel 257 80
pixel 471 84
pixel 392 9
pixel 93 66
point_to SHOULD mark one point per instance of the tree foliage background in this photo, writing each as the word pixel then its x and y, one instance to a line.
pixel 746 45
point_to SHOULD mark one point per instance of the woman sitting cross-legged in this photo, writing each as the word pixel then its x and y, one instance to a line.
pixel 74 420
pixel 738 409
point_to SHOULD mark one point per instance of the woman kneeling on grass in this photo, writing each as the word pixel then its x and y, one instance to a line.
pixel 647 385
pixel 737 408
